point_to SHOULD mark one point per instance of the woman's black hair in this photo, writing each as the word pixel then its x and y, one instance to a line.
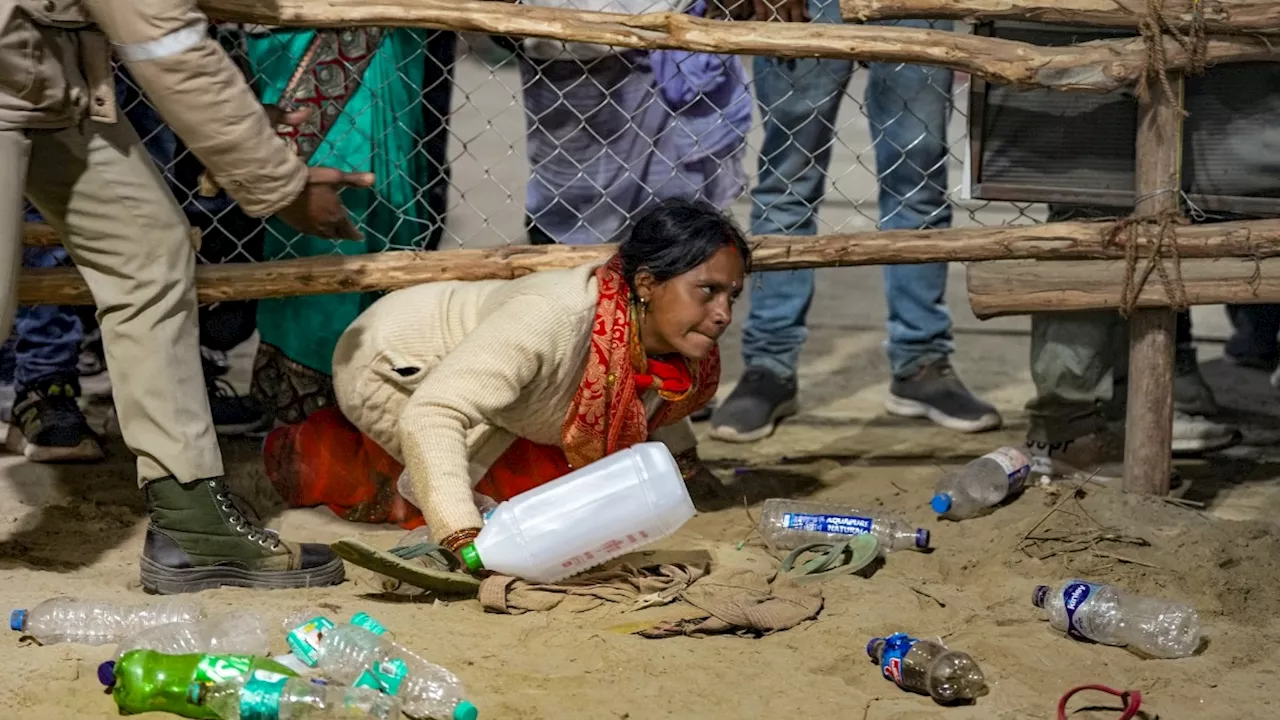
pixel 676 236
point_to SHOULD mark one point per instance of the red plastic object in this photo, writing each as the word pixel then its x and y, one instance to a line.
pixel 1132 700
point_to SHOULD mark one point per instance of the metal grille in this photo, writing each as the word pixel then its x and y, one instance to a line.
pixel 485 141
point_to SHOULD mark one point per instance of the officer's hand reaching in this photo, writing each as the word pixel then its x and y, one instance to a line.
pixel 319 210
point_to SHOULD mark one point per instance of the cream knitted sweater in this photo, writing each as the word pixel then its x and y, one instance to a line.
pixel 444 376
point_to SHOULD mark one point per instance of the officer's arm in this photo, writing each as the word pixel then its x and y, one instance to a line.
pixel 202 95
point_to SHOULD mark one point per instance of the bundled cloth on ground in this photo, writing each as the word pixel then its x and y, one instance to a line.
pixel 746 597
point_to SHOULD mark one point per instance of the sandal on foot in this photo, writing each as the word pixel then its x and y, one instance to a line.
pixel 831 558
pixel 422 565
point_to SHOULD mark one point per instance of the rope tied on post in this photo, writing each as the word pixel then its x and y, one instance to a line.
pixel 1129 232
pixel 1154 26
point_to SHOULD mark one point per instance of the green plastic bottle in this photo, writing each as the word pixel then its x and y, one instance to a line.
pixel 147 681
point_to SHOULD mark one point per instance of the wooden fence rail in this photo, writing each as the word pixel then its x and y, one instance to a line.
pixel 1097 66
pixel 1219 16
pixel 392 270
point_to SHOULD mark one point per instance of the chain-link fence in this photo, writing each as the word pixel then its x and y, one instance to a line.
pixel 482 141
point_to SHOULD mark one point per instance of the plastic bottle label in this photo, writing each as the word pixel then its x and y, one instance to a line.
pixel 1016 466
pixel 832 524
pixel 260 697
pixel 218 669
pixel 304 640
pixel 1074 596
pixel 896 647
pixel 387 676
pixel 364 620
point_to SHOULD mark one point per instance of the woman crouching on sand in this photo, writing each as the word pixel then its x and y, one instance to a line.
pixel 501 386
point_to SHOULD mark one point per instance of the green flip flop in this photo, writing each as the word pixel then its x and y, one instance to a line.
pixel 831 558
pixel 422 565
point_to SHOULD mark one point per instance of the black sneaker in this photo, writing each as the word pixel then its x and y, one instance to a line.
pixel 48 425
pixel 755 406
pixel 233 414
pixel 936 392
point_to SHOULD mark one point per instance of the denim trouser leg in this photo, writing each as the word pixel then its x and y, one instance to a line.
pixel 907 109
pixel 799 100
pixel 48 336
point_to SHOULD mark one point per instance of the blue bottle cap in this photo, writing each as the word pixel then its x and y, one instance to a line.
pixel 1039 595
pixel 922 538
pixel 871 646
pixel 107 674
pixel 18 620
pixel 465 711
pixel 940 503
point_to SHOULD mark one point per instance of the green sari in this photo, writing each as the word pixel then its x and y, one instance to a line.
pixel 370 120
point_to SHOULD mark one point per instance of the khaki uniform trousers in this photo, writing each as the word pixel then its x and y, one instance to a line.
pixel 96 184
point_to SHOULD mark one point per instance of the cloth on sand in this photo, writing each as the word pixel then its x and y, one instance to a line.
pixel 730 599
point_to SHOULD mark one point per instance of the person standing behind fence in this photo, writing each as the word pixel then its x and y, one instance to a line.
pixel 612 131
pixel 907 108
pixel 63 146
pixel 366 85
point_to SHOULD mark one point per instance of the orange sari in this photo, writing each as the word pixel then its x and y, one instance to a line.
pixel 325 460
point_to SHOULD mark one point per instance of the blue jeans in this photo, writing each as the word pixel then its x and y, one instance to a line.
pixel 907 108
pixel 46 338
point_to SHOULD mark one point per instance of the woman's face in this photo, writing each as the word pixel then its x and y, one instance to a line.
pixel 688 313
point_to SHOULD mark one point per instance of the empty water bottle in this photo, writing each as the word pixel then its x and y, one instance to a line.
pixel 235 633
pixel 353 655
pixel 788 524
pixel 284 698
pixel 90 622
pixel 612 507
pixel 981 485
pixel 928 668
pixel 1108 615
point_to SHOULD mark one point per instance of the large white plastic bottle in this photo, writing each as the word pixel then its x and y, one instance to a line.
pixel 586 518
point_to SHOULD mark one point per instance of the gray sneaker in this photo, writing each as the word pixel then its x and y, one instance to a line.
pixel 936 392
pixel 1191 394
pixel 1194 434
pixel 755 406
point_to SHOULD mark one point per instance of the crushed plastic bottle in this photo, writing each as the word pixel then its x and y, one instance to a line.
pixel 92 622
pixel 788 524
pixel 928 668
pixel 1108 615
pixel 241 632
pixel 357 654
pixel 265 697
pixel 981 485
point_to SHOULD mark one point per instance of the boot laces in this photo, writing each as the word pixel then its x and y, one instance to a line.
pixel 247 522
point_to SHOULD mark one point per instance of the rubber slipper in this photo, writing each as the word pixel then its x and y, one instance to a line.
pixel 425 565
pixel 828 558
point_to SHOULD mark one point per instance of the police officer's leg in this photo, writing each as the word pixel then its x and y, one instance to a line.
pixel 129 238
pixel 15 152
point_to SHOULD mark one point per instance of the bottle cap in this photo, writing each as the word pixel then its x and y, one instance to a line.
pixel 1040 595
pixel 107 674
pixel 940 503
pixel 471 557
pixel 18 620
pixel 465 711
pixel 871 646
pixel 922 538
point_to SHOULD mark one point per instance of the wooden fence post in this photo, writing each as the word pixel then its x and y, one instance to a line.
pixel 1149 418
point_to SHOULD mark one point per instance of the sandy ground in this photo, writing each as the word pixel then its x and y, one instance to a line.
pixel 76 531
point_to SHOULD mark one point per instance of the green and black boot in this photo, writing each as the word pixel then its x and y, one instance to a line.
pixel 200 539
